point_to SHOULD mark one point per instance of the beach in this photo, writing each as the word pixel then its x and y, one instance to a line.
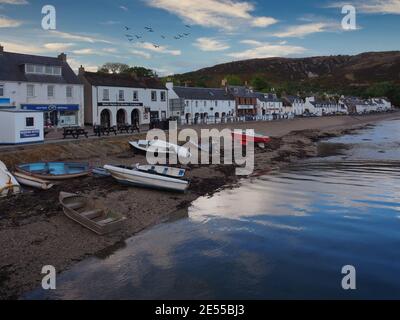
pixel 34 232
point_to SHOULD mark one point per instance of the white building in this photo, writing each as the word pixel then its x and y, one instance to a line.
pixel 296 104
pixel 322 107
pixel 21 127
pixel 355 105
pixel 200 104
pixel 270 105
pixel 37 83
pixel 112 99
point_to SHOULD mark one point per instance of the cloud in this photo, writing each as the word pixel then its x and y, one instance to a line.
pixel 223 14
pixel 14 2
pixel 9 23
pixel 77 37
pixel 142 54
pixel 124 8
pixel 160 49
pixel 300 31
pixel 85 52
pixel 24 48
pixel 372 6
pixel 266 50
pixel 210 44
pixel 58 46
pixel 110 23
pixel 110 50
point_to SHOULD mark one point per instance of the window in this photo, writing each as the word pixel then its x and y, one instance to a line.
pixel 106 94
pixel 39 69
pixel 216 103
pixel 47 70
pixel 69 92
pixel 154 96
pixel 50 91
pixel 57 71
pixel 205 103
pixel 197 104
pixel 30 122
pixel 30 68
pixel 1 90
pixel 163 96
pixel 30 90
pixel 121 95
pixel 135 96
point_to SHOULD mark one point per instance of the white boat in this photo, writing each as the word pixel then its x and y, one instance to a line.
pixel 33 182
pixel 136 177
pixel 8 183
pixel 162 170
pixel 160 147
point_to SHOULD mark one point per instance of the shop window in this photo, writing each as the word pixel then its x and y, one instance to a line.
pixel 1 90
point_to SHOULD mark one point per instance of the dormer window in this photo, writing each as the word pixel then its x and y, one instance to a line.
pixel 43 70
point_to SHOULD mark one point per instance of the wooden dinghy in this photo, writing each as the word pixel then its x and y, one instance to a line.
pixel 89 214
pixel 8 184
pixel 33 182
pixel 136 177
pixel 55 170
pixel 162 170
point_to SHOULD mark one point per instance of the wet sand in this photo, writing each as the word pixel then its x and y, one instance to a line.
pixel 34 232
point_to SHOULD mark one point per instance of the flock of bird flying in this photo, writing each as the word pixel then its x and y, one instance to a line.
pixel 140 37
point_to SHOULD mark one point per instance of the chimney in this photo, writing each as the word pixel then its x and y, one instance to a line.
pixel 246 84
pixel 224 83
pixel 1 49
pixel 81 71
pixel 62 57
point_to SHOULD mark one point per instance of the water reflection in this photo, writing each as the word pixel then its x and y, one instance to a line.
pixel 285 235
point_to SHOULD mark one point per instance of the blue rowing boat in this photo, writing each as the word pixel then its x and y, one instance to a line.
pixel 55 170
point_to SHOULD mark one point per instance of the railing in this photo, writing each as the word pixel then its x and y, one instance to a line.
pixel 231 119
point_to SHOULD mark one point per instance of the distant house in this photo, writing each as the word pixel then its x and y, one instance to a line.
pixel 356 105
pixel 38 83
pixel 197 104
pixel 296 103
pixel 245 100
pixel 321 107
pixel 270 104
pixel 112 99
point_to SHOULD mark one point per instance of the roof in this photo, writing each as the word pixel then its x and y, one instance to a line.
pixel 122 80
pixel 189 93
pixel 12 69
pixel 242 92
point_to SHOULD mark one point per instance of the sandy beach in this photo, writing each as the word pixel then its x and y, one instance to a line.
pixel 34 232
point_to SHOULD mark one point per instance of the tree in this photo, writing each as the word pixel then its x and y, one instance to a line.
pixel 113 67
pixel 260 84
pixel 141 72
pixel 234 80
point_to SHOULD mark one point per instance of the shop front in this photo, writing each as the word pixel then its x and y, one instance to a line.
pixel 56 115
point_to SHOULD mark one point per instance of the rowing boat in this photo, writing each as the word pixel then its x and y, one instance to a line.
pixel 55 170
pixel 8 184
pixel 33 182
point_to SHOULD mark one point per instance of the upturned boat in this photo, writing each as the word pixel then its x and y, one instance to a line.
pixel 32 181
pixel 160 147
pixel 134 176
pixel 245 138
pixel 55 170
pixel 8 184
pixel 90 214
pixel 162 170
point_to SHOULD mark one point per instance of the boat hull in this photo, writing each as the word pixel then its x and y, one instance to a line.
pixel 8 184
pixel 33 182
pixel 147 180
pixel 55 170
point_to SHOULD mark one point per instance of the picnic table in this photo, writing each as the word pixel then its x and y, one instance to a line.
pixel 103 130
pixel 75 132
pixel 128 128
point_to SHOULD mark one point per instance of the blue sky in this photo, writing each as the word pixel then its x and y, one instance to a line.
pixel 93 32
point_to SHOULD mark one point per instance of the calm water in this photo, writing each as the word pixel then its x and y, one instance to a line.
pixel 286 235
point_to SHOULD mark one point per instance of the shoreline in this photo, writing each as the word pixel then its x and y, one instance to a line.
pixel 34 232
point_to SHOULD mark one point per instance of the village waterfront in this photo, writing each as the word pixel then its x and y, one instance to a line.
pixel 41 235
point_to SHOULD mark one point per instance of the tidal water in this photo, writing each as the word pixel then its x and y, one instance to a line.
pixel 282 236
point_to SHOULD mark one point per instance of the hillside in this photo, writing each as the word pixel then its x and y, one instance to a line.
pixel 344 73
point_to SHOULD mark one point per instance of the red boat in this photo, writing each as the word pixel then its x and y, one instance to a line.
pixel 246 138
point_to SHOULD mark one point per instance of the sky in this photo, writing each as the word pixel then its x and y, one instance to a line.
pixel 191 34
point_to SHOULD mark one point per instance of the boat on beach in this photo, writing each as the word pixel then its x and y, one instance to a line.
pixel 32 181
pixel 160 147
pixel 55 170
pixel 90 214
pixel 100 172
pixel 245 138
pixel 140 178
pixel 8 184
pixel 162 170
